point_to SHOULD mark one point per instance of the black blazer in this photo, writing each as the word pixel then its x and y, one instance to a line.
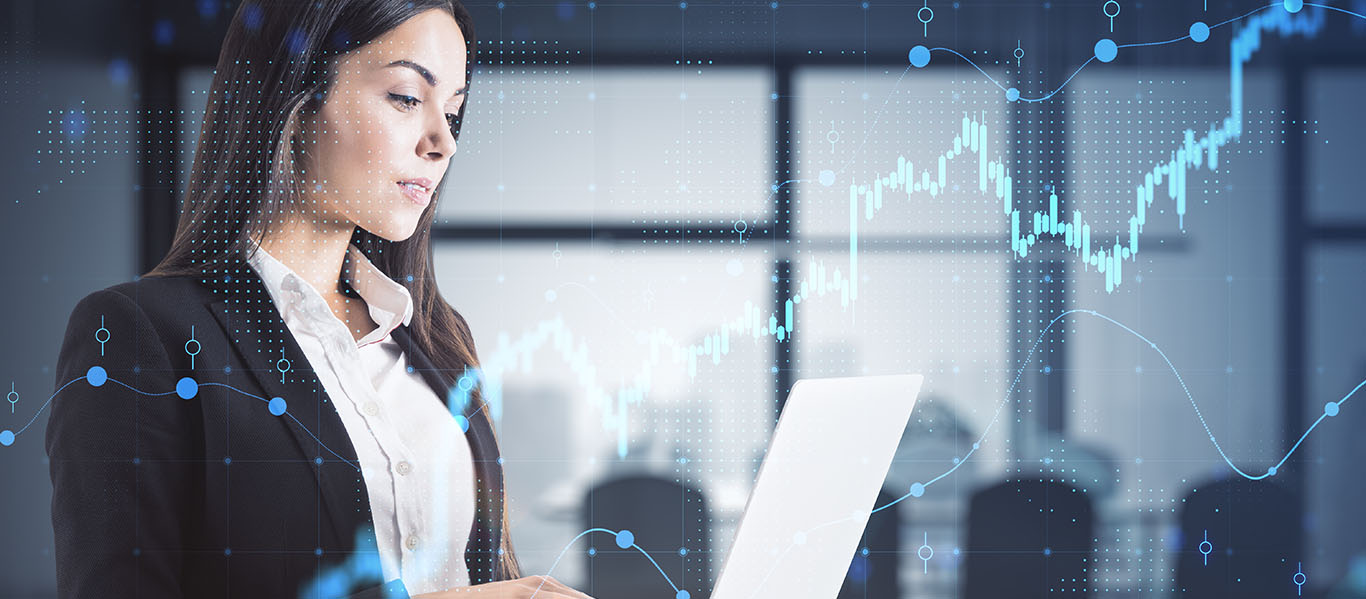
pixel 158 496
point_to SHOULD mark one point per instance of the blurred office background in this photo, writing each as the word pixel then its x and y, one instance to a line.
pixel 633 175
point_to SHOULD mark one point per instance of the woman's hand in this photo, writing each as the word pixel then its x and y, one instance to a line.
pixel 540 587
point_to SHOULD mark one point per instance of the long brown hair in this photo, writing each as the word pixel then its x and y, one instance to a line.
pixel 278 60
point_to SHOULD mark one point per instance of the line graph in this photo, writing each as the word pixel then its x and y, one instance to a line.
pixel 993 177
pixel 186 389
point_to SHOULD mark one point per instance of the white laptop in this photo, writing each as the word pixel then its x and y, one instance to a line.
pixel 816 489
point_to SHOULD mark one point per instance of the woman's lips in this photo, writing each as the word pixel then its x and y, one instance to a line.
pixel 415 193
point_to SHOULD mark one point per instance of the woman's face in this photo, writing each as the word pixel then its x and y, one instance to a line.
pixel 386 121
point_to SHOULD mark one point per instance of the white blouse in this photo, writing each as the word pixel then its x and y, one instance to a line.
pixel 414 458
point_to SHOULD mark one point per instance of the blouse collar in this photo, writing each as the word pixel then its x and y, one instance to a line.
pixel 389 303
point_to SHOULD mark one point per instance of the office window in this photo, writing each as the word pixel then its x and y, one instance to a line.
pixel 1335 146
pixel 613 144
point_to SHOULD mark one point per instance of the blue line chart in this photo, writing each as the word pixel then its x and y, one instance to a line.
pixel 866 200
pixel 1106 48
pixel 186 388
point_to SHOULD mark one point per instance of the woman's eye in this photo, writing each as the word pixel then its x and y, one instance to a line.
pixel 406 101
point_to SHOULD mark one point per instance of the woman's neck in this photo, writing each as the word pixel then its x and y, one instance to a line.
pixel 317 255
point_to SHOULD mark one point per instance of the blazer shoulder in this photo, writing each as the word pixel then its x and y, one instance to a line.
pixel 162 300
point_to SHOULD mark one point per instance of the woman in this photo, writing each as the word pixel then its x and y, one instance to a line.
pixel 324 434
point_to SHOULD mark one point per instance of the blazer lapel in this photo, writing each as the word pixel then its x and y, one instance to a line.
pixel 274 359
pixel 481 558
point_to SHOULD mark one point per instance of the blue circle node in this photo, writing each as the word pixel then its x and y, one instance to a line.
pixel 7 438
pixel 625 539
pixel 463 422
pixel 96 376
pixel 1271 471
pixel 1331 408
pixel 277 406
pixel 1012 94
pixel 1106 50
pixel 1293 6
pixel 920 56
pixel 186 388
pixel 827 178
pixel 917 489
pixel 682 594
pixel 1199 31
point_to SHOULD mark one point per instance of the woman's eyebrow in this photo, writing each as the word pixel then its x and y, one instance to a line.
pixel 421 70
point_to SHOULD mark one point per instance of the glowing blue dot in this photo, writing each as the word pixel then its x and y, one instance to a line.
pixel 277 406
pixel 164 32
pixel 1199 31
pixel 208 9
pixel 1047 551
pixel 920 56
pixel 917 489
pixel 1012 94
pixel 186 388
pixel 120 71
pixel 1271 471
pixel 96 376
pixel 827 178
pixel 252 16
pixel 1331 408
pixel 625 539
pixel 463 422
pixel 7 438
pixel 1106 50
pixel 1293 6
pixel 682 594
pixel 297 41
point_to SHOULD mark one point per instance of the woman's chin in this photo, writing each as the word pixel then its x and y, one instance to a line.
pixel 393 231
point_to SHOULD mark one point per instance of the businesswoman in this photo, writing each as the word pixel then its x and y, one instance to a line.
pixel 286 406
